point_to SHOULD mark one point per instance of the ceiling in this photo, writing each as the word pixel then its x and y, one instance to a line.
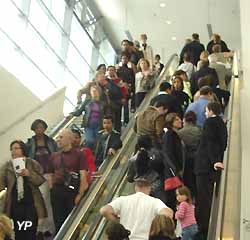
pixel 186 16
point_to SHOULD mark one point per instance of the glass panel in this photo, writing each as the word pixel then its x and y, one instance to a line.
pixel 38 18
pixel 11 21
pixel 81 40
pixel 57 8
pixel 107 52
pixel 77 65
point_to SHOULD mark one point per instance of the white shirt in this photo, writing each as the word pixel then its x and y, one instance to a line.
pixel 188 67
pixel 137 212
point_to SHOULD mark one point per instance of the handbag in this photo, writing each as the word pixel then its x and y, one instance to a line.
pixel 172 182
pixel 71 179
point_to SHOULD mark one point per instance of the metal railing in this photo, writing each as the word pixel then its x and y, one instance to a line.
pixel 89 202
pixel 219 194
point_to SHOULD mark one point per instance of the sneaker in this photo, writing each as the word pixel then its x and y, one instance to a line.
pixel 132 110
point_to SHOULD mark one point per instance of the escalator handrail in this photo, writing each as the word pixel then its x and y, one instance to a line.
pixel 80 211
pixel 219 193
pixel 95 224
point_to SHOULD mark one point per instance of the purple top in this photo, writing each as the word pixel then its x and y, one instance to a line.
pixel 94 113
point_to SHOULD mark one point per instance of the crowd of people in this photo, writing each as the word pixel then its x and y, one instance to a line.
pixel 181 138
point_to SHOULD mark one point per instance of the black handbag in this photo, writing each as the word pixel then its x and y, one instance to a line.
pixel 71 179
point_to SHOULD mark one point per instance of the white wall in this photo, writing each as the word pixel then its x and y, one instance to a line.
pixel 245 118
pixel 19 108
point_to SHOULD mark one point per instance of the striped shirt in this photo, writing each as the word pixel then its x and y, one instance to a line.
pixel 185 214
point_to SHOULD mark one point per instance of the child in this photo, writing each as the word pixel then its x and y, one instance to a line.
pixel 185 213
pixel 108 141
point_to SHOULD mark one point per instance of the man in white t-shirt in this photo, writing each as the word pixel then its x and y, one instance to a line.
pixel 136 211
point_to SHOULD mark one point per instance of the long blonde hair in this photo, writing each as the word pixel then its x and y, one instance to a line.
pixel 6 226
pixel 162 226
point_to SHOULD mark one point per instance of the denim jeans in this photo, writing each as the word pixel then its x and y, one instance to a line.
pixel 189 232
pixel 91 133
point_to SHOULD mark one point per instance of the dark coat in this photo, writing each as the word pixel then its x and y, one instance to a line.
pixel 223 45
pixel 182 99
pixel 202 73
pixel 114 141
pixel 8 180
pixel 31 145
pixel 195 49
pixel 212 145
pixel 86 108
pixel 171 101
pixel 172 146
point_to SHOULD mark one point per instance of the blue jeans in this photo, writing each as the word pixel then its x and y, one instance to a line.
pixel 91 133
pixel 189 232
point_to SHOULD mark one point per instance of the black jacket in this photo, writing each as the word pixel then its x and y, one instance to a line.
pixel 223 96
pixel 113 141
pixel 223 45
pixel 212 145
pixel 194 49
pixel 172 146
pixel 202 73
pixel 171 101
pixel 182 99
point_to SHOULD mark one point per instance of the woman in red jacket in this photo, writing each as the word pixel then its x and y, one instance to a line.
pixel 90 159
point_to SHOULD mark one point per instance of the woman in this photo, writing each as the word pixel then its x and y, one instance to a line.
pixel 144 81
pixel 6 231
pixel 101 68
pixel 92 119
pixel 162 228
pixel 203 57
pixel 40 147
pixel 190 134
pixel 178 92
pixel 172 146
pixel 116 231
pixel 149 162
pixel 22 177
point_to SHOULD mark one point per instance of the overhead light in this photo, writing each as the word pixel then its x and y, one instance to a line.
pixel 173 38
pixel 168 22
pixel 162 5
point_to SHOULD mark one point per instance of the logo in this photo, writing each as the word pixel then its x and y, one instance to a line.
pixel 24 225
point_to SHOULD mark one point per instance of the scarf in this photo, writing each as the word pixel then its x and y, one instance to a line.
pixel 19 186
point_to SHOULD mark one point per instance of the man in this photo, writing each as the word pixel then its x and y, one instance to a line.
pixel 158 66
pixel 221 70
pixel 194 49
pixel 128 77
pixel 68 162
pixel 205 70
pixel 152 121
pixel 199 106
pixel 216 40
pixel 99 81
pixel 165 96
pixel 147 50
pixel 108 141
pixel 209 159
pixel 136 211
pixel 139 53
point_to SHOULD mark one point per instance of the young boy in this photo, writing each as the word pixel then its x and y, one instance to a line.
pixel 208 160
pixel 108 141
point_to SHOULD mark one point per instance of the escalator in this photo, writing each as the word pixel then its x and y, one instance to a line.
pixel 84 221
